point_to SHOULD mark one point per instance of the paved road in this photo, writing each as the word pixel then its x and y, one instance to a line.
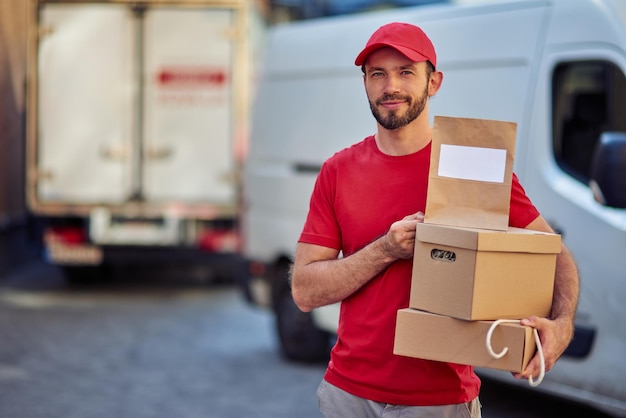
pixel 163 349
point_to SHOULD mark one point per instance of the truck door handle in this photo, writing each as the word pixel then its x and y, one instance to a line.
pixel 158 153
pixel 114 152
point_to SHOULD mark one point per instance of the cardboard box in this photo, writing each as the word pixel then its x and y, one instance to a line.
pixel 436 337
pixel 478 274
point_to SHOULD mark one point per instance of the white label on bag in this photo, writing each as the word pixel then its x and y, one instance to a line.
pixel 472 163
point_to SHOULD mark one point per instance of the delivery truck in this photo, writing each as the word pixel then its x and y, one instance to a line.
pixel 557 68
pixel 137 114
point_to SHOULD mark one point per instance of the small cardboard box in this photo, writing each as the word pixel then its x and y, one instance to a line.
pixel 442 338
pixel 477 274
pixel 471 172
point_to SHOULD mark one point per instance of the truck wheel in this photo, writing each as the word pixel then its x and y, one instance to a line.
pixel 300 339
pixel 84 275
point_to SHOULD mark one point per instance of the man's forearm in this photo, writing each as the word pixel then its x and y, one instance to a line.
pixel 566 288
pixel 319 278
pixel 324 282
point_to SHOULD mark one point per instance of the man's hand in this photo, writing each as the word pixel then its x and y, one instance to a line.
pixel 399 242
pixel 555 336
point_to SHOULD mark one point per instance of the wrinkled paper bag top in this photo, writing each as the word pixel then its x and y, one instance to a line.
pixel 471 170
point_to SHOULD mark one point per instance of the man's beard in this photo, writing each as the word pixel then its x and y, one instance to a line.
pixel 394 121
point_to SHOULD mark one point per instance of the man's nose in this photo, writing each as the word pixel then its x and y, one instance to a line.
pixel 392 84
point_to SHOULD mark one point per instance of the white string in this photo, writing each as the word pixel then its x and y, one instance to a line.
pixel 495 355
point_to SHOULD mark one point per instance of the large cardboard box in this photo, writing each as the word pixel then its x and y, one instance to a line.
pixel 436 337
pixel 478 274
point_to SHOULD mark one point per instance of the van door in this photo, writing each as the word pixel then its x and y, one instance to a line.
pixel 580 94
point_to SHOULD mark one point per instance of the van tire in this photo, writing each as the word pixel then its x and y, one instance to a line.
pixel 300 340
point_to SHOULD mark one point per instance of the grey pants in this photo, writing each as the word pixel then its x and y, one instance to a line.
pixel 337 403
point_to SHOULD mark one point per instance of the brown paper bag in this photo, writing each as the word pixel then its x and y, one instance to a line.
pixel 471 170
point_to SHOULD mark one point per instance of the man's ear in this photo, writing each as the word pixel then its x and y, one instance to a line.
pixel 436 79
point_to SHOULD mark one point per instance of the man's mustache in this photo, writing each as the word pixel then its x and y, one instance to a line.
pixel 392 97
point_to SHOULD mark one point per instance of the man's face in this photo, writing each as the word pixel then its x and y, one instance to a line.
pixel 397 88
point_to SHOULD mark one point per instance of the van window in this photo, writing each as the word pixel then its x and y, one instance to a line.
pixel 588 98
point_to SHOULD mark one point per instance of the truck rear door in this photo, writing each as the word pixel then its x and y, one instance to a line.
pixel 187 149
pixel 85 103
pixel 135 102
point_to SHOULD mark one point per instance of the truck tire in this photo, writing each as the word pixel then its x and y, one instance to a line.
pixel 300 340
pixel 84 275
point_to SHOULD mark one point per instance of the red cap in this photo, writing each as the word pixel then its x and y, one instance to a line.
pixel 408 39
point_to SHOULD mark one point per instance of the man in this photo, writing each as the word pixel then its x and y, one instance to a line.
pixel 366 204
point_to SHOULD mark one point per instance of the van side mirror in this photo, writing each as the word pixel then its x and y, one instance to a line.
pixel 608 170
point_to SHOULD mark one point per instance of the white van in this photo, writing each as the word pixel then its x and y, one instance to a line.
pixel 556 67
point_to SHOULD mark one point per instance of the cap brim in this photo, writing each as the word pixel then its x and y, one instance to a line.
pixel 407 52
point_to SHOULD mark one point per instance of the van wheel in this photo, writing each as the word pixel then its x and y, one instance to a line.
pixel 300 339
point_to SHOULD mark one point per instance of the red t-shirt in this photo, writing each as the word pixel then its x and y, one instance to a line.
pixel 358 194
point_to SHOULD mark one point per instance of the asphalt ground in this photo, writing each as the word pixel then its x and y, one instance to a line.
pixel 140 349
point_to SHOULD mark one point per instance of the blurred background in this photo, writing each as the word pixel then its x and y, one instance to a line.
pixel 21 234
